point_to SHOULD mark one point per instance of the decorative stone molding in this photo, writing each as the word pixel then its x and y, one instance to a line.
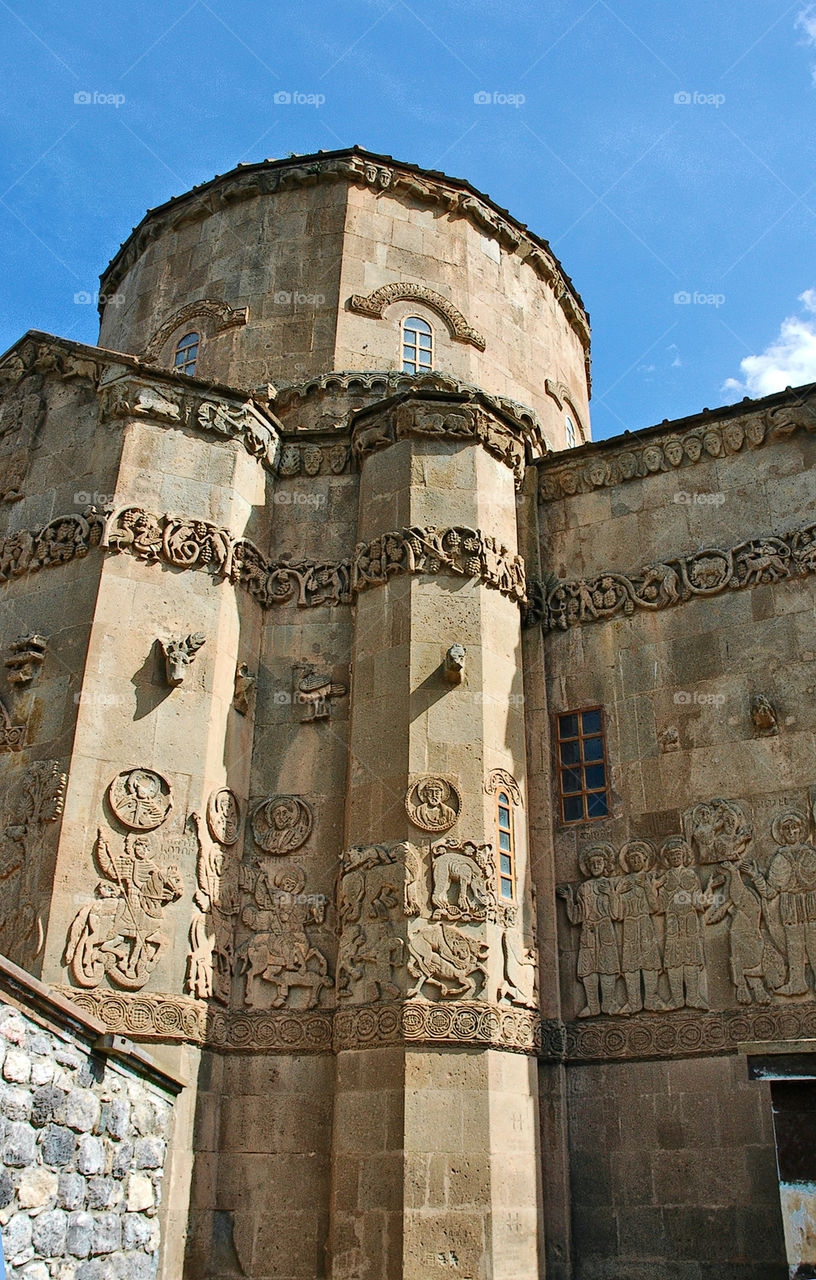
pixel 166 1017
pixel 57 357
pixel 677 446
pixel 457 1022
pixel 315 397
pixel 363 169
pixel 27 656
pixel 197 544
pixel 559 605
pixel 463 418
pixel 374 304
pixel 312 459
pixel 12 736
pixel 175 1018
pixel 169 406
pixel 561 394
pixel 218 314
pixel 682 1036
pixel 66 538
pixel 501 780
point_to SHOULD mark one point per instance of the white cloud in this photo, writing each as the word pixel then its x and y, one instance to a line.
pixel 788 361
pixel 806 21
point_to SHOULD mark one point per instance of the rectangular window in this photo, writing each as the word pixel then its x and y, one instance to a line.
pixel 583 783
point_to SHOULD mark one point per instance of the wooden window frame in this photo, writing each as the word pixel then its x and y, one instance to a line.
pixel 186 365
pixel 502 792
pixel 413 335
pixel 585 791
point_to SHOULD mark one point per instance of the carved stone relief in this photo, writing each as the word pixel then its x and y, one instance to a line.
pixel 140 799
pixel 763 715
pixel 374 304
pixel 372 893
pixel 469 419
pixel 656 938
pixel 179 654
pixel 281 963
pixel 313 459
pixel 27 655
pixel 314 693
pixel 120 933
pixel 217 898
pixel 449 962
pixel 243 688
pixel 12 736
pixel 219 316
pixel 224 816
pixel 433 803
pixel 608 467
pixel 66 538
pixel 282 824
pixel 501 780
pixel 31 807
pixel 660 586
pixel 464 881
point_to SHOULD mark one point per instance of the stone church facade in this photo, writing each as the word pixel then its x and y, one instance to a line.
pixel 427 789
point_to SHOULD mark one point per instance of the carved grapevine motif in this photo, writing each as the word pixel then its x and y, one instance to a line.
pixel 659 586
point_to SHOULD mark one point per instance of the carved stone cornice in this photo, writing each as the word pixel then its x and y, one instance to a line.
pixel 374 305
pixel 677 1036
pixel 559 605
pixel 219 316
pixel 195 544
pixel 166 1017
pixel 677 445
pixel 362 169
pixel 170 406
pixel 459 417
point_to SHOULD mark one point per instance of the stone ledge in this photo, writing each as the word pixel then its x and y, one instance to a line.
pixel 62 1012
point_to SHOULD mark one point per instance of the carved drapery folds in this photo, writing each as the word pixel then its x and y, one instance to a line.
pixel 699 922
pixel 374 304
pixel 436 417
pixel 560 605
pixel 197 544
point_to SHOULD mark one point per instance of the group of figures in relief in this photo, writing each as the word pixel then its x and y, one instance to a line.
pixel 411 920
pixel 643 914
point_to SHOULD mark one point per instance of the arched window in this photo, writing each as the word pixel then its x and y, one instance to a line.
pixel 572 439
pixel 184 361
pixel 417 345
pixel 506 845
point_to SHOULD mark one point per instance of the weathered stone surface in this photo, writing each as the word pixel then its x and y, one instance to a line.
pixel 36 1187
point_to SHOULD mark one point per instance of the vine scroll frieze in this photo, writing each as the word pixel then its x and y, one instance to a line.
pixel 558 605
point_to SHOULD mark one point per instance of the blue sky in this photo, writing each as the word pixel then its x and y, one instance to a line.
pixel 666 150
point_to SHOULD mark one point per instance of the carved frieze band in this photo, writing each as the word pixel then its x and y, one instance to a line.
pixel 559 605
pixel 439 419
pixel 67 538
pixel 672 452
pixel 374 304
pixel 679 1037
pixel 196 544
pixel 312 1031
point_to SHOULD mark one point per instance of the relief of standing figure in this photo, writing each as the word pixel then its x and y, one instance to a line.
pixel 594 907
pixel 681 901
pixel 640 955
